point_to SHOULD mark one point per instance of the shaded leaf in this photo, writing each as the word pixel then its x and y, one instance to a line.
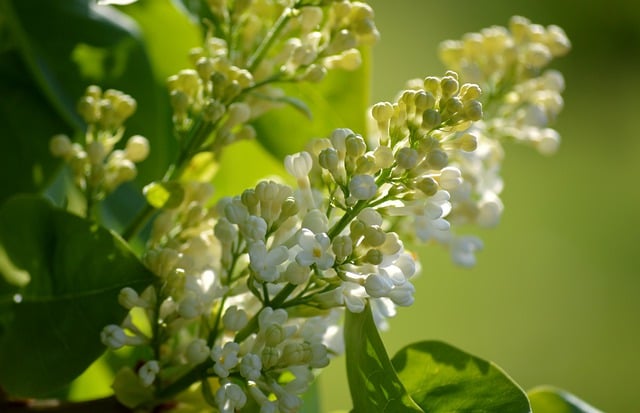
pixel 50 328
pixel 442 378
pixel 27 122
pixel 546 399
pixel 373 383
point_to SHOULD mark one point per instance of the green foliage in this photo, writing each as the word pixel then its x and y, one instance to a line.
pixel 374 385
pixel 547 399
pixel 50 327
pixel 442 378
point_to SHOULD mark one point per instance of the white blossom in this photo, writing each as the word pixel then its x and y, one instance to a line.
pixel 315 250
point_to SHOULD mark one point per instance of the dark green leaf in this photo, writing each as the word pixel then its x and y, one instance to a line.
pixel 546 399
pixel 50 328
pixel 27 122
pixel 373 383
pixel 444 379
pixel 339 101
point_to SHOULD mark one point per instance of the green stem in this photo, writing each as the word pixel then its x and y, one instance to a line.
pixel 347 218
pixel 104 405
pixel 267 42
pixel 199 132
pixel 185 381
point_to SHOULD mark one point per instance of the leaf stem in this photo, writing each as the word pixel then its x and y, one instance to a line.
pixel 267 42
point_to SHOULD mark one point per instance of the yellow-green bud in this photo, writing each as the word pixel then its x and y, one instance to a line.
pixel 431 119
pixel 374 257
pixel 437 159
pixel 427 186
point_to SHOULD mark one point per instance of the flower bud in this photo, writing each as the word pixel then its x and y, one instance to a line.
pixel 363 187
pixel 235 319
pixel 137 148
pixel 60 146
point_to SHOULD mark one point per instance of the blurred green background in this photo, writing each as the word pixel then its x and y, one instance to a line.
pixel 555 295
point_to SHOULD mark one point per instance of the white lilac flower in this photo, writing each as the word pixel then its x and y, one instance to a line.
pixel 463 250
pixel 114 336
pixel 316 249
pixel 251 367
pixel 378 285
pixel 225 358
pixel 147 373
pixel 363 187
pixel 230 397
pixel 265 263
pixel 234 318
pixel 254 228
pixel 299 165
pixel 197 351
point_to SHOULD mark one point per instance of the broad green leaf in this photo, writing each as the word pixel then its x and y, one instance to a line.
pixel 444 379
pixel 315 110
pixel 546 399
pixel 50 328
pixel 27 123
pixel 373 382
pixel 68 45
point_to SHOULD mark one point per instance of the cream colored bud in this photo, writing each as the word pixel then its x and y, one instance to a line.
pixel 454 105
pixel 341 41
pixel 473 110
pixel 60 146
pixel 432 84
pixel 427 186
pixel 355 146
pixel 137 148
pixel 449 86
pixel 384 157
pixel 96 152
pixel 310 17
pixel 536 55
pixel 431 119
pixel 468 142
pixel 342 246
pixel 274 335
pixel 382 111
pixel 189 81
pixel 270 357
pixel 328 159
pixel 179 102
pixel 374 257
pixel 347 60
pixel 437 159
pixel 470 91
pixel 374 236
pixel 239 112
pixel 407 158
pixel 314 73
pixel 205 68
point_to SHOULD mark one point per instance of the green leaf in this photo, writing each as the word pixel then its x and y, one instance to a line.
pixel 442 378
pixel 546 399
pixel 339 101
pixel 27 123
pixel 50 327
pixel 373 382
